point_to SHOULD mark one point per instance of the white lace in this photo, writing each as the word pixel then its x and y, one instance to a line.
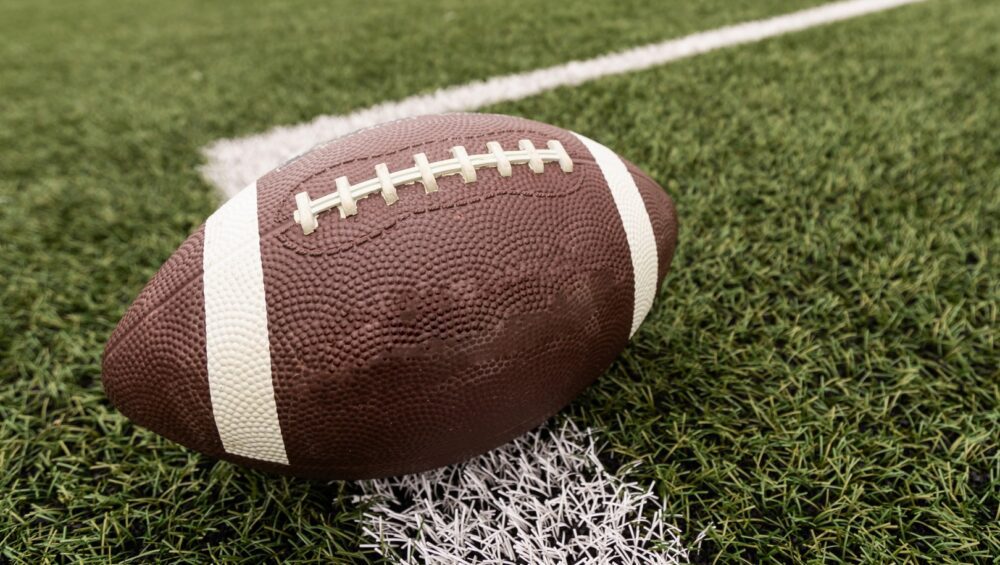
pixel 385 182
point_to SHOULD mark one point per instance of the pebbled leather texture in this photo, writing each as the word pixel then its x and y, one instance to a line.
pixel 410 336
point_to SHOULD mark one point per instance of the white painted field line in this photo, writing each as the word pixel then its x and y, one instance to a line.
pixel 235 163
pixel 544 498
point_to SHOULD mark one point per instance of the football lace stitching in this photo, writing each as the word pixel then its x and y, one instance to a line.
pixel 425 172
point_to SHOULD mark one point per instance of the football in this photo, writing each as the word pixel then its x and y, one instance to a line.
pixel 398 299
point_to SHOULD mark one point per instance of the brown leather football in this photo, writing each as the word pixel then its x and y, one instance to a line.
pixel 402 298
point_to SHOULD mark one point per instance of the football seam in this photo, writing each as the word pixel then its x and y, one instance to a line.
pixel 385 182
pixel 410 148
pixel 282 233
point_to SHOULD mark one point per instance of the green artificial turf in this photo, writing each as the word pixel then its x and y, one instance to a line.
pixel 818 380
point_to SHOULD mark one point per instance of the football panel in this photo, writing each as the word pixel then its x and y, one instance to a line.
pixel 154 366
pixel 433 332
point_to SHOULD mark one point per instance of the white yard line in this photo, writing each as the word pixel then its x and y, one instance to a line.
pixel 542 498
pixel 235 163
